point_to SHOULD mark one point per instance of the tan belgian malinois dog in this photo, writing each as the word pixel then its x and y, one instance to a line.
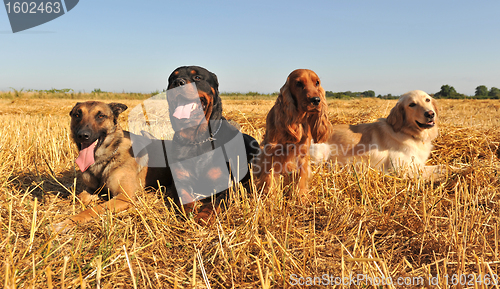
pixel 107 161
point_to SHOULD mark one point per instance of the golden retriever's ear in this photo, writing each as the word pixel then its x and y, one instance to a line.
pixel 321 127
pixel 282 121
pixel 434 104
pixel 396 118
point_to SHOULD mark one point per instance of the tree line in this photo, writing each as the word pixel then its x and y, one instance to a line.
pixel 447 91
pixel 481 92
pixel 349 94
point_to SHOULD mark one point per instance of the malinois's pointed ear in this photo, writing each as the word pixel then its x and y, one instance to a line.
pixel 73 110
pixel 117 108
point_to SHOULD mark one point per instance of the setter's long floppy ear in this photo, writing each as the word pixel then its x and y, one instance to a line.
pixel 396 118
pixel 321 127
pixel 282 122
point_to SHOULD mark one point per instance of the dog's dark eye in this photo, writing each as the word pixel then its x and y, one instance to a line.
pixel 100 115
pixel 197 77
pixel 317 82
pixel 77 114
pixel 427 100
pixel 300 84
pixel 412 104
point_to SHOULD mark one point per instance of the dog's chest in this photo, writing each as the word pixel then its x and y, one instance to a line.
pixel 94 176
pixel 198 155
pixel 412 151
pixel 90 180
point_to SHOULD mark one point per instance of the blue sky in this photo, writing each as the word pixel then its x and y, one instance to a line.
pixel 133 46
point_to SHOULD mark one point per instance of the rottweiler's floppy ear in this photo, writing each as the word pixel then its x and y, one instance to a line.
pixel 216 84
pixel 217 102
pixel 73 110
pixel 117 108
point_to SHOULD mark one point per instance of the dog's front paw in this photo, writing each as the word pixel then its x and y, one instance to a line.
pixel 86 198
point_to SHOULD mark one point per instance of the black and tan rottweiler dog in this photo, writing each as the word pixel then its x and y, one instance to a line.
pixel 207 155
pixel 107 161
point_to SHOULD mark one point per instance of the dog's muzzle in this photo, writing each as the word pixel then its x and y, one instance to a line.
pixel 178 82
pixel 429 114
pixel 83 135
pixel 430 117
pixel 315 100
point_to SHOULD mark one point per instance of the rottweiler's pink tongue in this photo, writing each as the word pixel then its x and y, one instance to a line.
pixel 184 111
pixel 86 157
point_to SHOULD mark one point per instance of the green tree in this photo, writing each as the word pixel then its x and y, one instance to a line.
pixel 494 93
pixel 481 91
pixel 446 92
pixel 368 93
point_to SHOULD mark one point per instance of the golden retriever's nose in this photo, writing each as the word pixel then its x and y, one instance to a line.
pixel 315 100
pixel 429 114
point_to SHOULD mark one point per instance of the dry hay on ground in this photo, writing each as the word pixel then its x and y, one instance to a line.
pixel 363 222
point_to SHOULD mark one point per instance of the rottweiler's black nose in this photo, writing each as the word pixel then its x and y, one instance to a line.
pixel 179 82
pixel 429 114
pixel 315 100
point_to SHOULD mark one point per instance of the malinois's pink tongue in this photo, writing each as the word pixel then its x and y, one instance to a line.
pixel 86 157
pixel 184 111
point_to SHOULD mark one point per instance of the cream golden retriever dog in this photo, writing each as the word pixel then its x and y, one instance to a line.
pixel 401 143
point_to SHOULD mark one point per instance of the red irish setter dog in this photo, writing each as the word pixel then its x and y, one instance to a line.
pixel 297 118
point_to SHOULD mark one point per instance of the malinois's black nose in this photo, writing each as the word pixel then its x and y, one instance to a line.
pixel 83 135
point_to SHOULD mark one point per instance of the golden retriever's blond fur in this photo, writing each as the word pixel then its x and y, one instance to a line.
pixel 402 142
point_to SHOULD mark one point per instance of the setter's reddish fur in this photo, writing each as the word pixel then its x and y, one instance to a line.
pixel 298 117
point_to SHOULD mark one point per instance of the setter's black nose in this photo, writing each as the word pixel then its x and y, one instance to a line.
pixel 315 100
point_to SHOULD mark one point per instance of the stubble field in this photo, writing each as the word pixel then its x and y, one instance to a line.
pixel 363 224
